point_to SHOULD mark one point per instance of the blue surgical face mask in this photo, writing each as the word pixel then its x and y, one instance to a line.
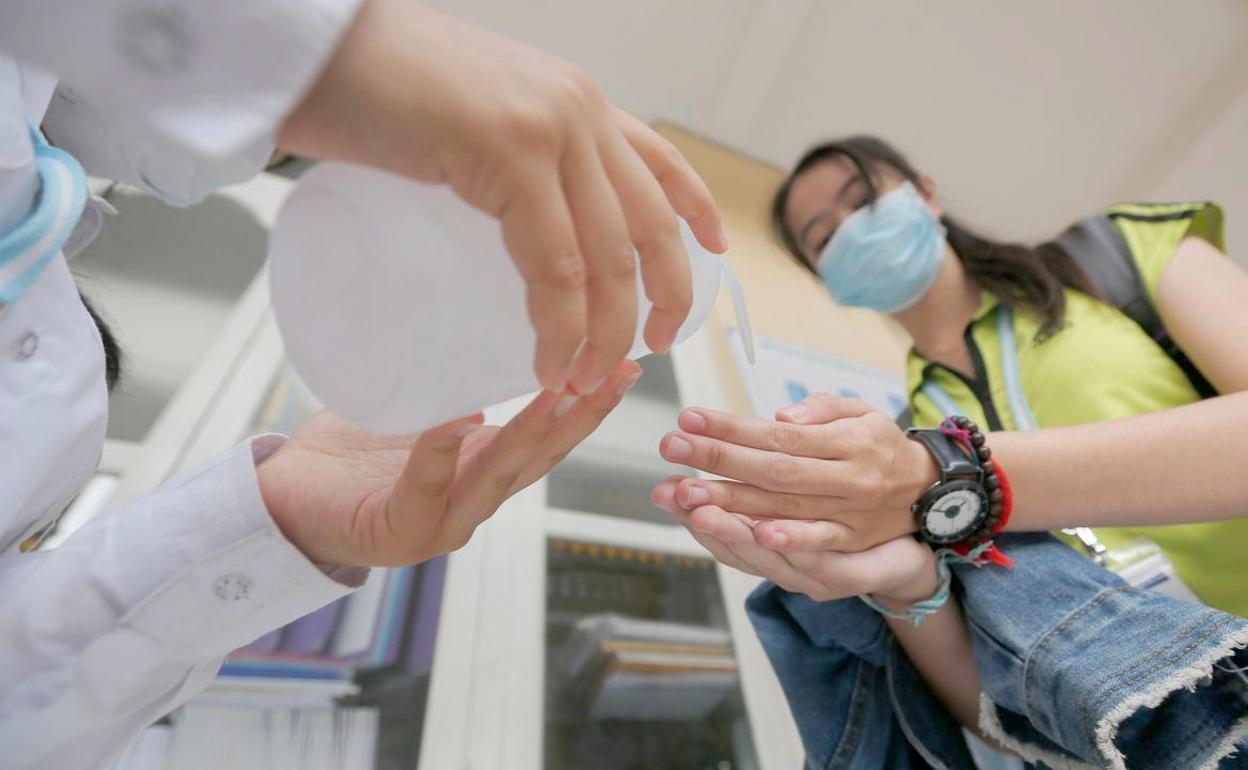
pixel 885 256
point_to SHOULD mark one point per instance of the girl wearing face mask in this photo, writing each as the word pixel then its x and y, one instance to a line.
pixel 1016 338
pixel 1019 337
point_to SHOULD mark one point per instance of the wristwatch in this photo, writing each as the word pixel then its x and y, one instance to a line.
pixel 956 506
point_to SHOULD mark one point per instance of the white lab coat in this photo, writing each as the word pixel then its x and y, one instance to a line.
pixel 131 615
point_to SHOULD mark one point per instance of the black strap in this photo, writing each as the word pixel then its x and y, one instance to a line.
pixel 949 457
pixel 1098 247
pixel 905 419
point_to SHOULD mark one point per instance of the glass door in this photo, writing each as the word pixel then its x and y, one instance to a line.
pixel 583 627
pixel 640 668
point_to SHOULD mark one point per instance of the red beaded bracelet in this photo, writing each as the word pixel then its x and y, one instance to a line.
pixel 966 434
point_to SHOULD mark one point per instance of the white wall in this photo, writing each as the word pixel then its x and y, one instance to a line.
pixel 1215 168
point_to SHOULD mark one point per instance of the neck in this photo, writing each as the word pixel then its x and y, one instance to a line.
pixel 936 322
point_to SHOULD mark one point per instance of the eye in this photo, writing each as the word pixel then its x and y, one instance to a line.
pixel 855 194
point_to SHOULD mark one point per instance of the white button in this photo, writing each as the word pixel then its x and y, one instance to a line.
pixel 232 587
pixel 27 346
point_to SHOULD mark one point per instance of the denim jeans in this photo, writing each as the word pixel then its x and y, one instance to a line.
pixel 1077 670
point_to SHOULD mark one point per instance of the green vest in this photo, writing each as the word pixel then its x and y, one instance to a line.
pixel 1100 366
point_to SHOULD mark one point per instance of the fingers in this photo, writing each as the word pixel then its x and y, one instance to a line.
pixel 495 469
pixel 786 523
pixel 429 475
pixel 582 418
pixel 721 531
pixel 790 537
pixel 656 236
pixel 610 266
pixel 664 495
pixel 539 234
pixel 755 502
pixel 685 190
pixel 822 576
pixel 772 471
pixel 786 437
pixel 820 408
pixel 722 553
pixel 504 458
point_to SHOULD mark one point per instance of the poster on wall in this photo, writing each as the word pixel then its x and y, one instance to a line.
pixel 784 374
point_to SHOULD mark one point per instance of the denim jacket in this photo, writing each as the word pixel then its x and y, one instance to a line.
pixel 1078 670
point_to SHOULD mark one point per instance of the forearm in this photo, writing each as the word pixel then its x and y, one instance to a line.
pixel 940 650
pixel 1177 466
pixel 130 616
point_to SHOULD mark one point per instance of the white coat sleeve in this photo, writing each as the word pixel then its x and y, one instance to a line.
pixel 175 96
pixel 132 614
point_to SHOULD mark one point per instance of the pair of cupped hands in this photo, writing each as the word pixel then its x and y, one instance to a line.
pixel 816 500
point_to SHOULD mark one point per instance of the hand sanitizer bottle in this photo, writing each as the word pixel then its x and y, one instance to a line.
pixel 400 307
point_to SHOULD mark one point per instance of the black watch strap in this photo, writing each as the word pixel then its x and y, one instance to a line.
pixel 952 461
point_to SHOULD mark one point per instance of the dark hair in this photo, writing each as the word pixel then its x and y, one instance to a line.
pixel 112 351
pixel 1031 276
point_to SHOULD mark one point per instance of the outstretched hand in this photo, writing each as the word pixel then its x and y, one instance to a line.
pixel 347 497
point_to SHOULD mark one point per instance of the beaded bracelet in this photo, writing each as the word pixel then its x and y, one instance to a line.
pixel 966 434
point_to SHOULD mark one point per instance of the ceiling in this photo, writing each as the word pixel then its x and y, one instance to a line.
pixel 1027 114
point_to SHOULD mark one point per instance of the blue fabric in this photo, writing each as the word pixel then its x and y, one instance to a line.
pixel 28 248
pixel 884 256
pixel 1059 642
pixel 849 687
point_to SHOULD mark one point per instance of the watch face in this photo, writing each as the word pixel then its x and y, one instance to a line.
pixel 955 511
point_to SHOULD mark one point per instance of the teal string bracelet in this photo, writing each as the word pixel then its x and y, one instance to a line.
pixel 916 613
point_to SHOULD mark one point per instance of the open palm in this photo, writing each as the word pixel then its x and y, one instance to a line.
pixel 348 497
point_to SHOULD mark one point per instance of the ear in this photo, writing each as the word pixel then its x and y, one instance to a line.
pixel 927 188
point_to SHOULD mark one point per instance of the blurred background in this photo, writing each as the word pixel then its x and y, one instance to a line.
pixel 582 629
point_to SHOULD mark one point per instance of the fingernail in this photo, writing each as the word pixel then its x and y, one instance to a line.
pixel 795 412
pixel 693 421
pixel 659 501
pixel 678 448
pixel 464 430
pixel 723 236
pixel 695 496
pixel 565 404
pixel 627 383
pixel 779 539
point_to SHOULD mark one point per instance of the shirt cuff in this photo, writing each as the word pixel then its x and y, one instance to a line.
pixel 242 577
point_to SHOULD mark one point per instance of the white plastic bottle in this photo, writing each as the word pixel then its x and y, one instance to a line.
pixel 401 309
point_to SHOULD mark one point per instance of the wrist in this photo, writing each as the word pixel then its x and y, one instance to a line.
pixel 348 112
pixel 273 477
pixel 919 584
pixel 920 471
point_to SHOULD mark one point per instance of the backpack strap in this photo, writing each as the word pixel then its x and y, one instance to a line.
pixel 1097 246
